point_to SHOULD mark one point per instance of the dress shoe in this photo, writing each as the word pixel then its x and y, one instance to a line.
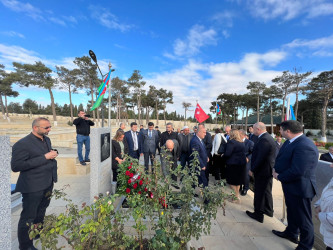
pixel 83 163
pixel 259 218
pixel 269 215
pixel 285 235
pixel 87 160
pixel 243 192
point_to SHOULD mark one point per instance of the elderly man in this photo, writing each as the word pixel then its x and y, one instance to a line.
pixel 328 156
pixel 295 168
pixel 169 155
pixel 227 131
pixel 34 158
pixel 185 140
pixel 207 140
pixel 122 127
pixel 262 163
pixel 169 134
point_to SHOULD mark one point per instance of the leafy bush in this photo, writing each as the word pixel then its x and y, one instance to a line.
pixel 309 133
pixel 69 123
pixel 328 144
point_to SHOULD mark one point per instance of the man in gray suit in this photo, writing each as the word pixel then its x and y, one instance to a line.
pixel 150 141
pixel 169 156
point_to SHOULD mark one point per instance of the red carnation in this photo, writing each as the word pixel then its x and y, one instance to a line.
pixel 127 173
pixel 151 196
pixel 135 185
pixel 131 164
pixel 140 183
pixel 128 190
pixel 129 167
pixel 129 181
pixel 139 192
pixel 146 189
pixel 139 177
pixel 131 175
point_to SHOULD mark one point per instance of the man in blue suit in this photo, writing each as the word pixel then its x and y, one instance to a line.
pixel 248 153
pixel 198 145
pixel 134 141
pixel 295 167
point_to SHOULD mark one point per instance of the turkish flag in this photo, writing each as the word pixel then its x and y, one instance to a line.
pixel 200 115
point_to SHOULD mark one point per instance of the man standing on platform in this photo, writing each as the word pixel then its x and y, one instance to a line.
pixel 83 124
pixel 134 141
pixel 34 158
pixel 150 141
pixel 295 168
pixel 262 163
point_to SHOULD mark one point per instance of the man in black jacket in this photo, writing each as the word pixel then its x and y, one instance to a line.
pixel 185 140
pixel 328 156
pixel 83 124
pixel 262 163
pixel 34 158
pixel 169 135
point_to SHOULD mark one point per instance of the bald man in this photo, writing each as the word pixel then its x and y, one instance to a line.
pixel 262 163
pixel 169 155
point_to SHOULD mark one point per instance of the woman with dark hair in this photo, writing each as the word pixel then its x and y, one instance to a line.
pixel 119 149
pixel 236 162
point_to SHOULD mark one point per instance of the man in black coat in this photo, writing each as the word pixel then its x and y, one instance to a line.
pixel 295 168
pixel 262 163
pixel 83 124
pixel 248 153
pixel 169 135
pixel 185 140
pixel 328 156
pixel 34 158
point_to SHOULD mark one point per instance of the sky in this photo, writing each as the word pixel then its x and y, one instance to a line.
pixel 197 49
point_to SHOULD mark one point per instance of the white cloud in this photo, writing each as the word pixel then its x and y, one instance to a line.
pixel 12 34
pixel 289 9
pixel 57 21
pixel 26 8
pixel 224 18
pixel 189 83
pixel 197 37
pixel 107 19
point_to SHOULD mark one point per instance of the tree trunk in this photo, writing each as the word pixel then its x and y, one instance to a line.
pixel 284 100
pixel 323 125
pixel 147 115
pixel 272 129
pixel 185 118
pixel 258 108
pixel 164 115
pixel 156 113
pixel 6 107
pixel 52 105
pixel 2 107
pixel 296 104
pixel 246 118
pixel 70 101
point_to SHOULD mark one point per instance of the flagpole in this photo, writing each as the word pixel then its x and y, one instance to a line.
pixel 109 113
pixel 288 109
pixel 216 112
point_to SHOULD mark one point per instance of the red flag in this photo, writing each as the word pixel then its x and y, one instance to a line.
pixel 200 115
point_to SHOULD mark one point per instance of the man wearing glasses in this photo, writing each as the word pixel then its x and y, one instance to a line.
pixel 83 124
pixel 34 158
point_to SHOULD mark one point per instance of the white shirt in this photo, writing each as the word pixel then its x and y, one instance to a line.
pixel 331 155
pixel 326 215
pixel 217 142
pixel 135 140
pixel 293 139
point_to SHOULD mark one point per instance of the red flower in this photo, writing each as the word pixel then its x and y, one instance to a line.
pixel 139 192
pixel 131 175
pixel 129 167
pixel 146 189
pixel 151 196
pixel 139 177
pixel 127 173
pixel 128 190
pixel 131 164
pixel 135 185
pixel 140 183
pixel 129 181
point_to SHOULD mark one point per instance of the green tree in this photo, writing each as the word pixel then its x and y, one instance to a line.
pixel 256 88
pixel 39 75
pixel 320 89
pixel 30 107
pixel 186 106
pixel 285 83
pixel 135 81
pixel 167 98
pixel 271 93
pixel 15 107
pixel 70 81
pixel 6 81
pixel 120 92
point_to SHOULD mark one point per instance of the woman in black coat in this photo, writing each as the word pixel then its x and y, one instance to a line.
pixel 119 149
pixel 235 161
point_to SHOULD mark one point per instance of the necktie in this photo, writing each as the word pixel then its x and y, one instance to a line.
pixel 134 141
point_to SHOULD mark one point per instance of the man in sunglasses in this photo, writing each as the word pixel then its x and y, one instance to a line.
pixel 34 158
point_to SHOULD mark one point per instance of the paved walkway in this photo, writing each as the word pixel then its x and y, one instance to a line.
pixel 233 231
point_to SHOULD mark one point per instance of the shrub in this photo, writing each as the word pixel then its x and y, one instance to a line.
pixel 328 144
pixel 69 123
pixel 309 133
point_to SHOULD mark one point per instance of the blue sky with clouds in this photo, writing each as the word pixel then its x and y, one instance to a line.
pixel 198 49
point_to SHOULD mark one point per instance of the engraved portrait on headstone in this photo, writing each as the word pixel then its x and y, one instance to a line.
pixel 105 146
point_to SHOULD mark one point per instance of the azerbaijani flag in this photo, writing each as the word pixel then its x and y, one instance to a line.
pixel 101 91
pixel 218 110
pixel 291 114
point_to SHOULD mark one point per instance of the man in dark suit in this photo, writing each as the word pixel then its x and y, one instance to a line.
pixel 169 134
pixel 185 140
pixel 262 163
pixel 328 156
pixel 207 140
pixel 34 158
pixel 197 144
pixel 295 167
pixel 150 141
pixel 134 141
pixel 252 136
pixel 248 153
pixel 170 152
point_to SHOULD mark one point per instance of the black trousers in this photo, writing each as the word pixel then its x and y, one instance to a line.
pixel 219 167
pixel 299 218
pixel 146 156
pixel 263 199
pixel 114 174
pixel 33 212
